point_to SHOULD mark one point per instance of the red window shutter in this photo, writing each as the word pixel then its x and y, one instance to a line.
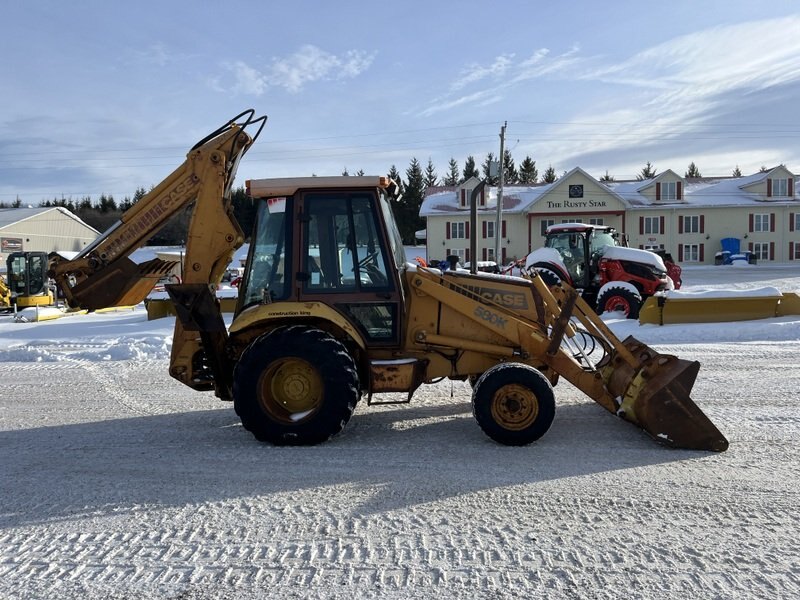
pixel 658 192
pixel 702 252
pixel 680 253
pixel 447 227
pixel 661 226
pixel 463 197
pixel 751 223
pixel 702 224
pixel 750 246
pixel 791 221
pixel 680 224
pixel 448 252
pixel 772 250
pixel 503 254
pixel 641 246
pixel 769 188
pixel 791 250
pixel 503 227
pixel 466 229
pixel 484 229
pixel 641 225
pixel 790 187
pixel 772 222
pixel 484 254
pixel 679 190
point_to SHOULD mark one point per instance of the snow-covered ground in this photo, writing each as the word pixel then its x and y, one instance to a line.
pixel 118 482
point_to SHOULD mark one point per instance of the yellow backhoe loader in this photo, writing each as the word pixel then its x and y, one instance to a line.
pixel 329 311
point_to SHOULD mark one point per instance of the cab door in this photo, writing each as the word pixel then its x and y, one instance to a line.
pixel 344 262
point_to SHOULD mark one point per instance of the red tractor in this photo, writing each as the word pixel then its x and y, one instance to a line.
pixel 595 260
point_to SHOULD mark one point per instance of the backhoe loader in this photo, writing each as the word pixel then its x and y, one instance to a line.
pixel 329 312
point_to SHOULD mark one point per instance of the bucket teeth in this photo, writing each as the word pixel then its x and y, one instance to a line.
pixel 656 397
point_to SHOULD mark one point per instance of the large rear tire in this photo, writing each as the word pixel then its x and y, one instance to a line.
pixel 619 299
pixel 295 386
pixel 513 404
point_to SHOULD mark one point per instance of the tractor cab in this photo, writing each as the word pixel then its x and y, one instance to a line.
pixel 26 273
pixel 328 240
pixel 581 247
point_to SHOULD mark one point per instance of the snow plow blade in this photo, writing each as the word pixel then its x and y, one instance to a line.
pixel 735 306
pixel 655 395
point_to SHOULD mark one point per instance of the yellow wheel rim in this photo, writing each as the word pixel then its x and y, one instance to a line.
pixel 514 407
pixel 290 390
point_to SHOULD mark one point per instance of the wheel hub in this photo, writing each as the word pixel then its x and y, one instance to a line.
pixel 290 390
pixel 514 407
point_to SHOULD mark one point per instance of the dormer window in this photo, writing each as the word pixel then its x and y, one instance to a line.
pixel 778 188
pixel 466 195
pixel 667 191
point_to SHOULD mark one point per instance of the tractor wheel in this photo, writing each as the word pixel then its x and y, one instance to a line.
pixel 549 276
pixel 513 404
pixel 295 386
pixel 619 299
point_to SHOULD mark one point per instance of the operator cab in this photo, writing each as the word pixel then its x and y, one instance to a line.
pixel 328 240
pixel 581 246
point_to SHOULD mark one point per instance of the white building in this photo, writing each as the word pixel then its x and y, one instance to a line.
pixel 42 229
pixel 686 217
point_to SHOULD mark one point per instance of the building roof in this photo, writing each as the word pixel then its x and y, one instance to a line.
pixel 11 216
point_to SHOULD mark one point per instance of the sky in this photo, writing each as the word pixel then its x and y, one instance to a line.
pixel 103 98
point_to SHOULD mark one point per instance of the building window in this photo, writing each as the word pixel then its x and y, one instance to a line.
pixel 761 222
pixel 460 253
pixel 691 253
pixel 669 190
pixel 795 251
pixel 490 254
pixel 490 229
pixel 780 187
pixel 457 230
pixel 572 220
pixel 652 225
pixel 796 225
pixel 691 224
pixel 545 224
pixel 761 250
pixel 596 221
pixel 654 247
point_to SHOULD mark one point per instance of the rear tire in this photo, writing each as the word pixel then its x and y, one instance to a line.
pixel 513 404
pixel 619 299
pixel 295 386
pixel 550 277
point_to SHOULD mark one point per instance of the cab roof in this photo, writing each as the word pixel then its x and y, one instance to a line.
pixel 577 228
pixel 286 186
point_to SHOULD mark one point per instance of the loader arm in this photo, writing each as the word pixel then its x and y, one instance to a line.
pixel 631 380
pixel 103 275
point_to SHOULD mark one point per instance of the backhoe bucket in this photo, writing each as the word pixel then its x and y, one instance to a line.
pixel 654 395
pixel 123 283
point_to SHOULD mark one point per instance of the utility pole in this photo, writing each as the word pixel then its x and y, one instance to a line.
pixel 499 220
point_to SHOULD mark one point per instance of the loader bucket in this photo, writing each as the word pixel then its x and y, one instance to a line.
pixel 122 283
pixel 655 395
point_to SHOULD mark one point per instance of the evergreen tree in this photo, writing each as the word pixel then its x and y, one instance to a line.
pixel 549 175
pixel 16 203
pixel 763 169
pixel 431 179
pixel 360 173
pixel 692 171
pixel 345 173
pixel 407 215
pixel 107 203
pixel 528 173
pixel 139 194
pixel 510 174
pixel 490 180
pixel 470 170
pixel 736 172
pixel 607 178
pixel 648 172
pixel 451 179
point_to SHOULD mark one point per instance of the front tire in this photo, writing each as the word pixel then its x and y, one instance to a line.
pixel 295 386
pixel 513 404
pixel 619 299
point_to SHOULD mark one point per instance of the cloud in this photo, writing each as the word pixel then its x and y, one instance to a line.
pixel 504 74
pixel 293 72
